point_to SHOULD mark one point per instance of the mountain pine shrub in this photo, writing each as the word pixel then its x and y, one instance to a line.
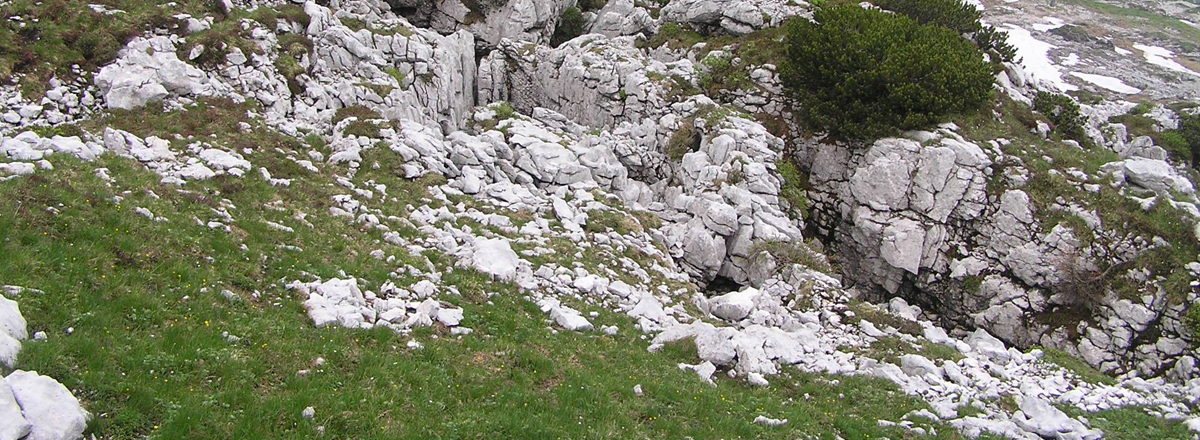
pixel 1063 113
pixel 570 25
pixel 862 74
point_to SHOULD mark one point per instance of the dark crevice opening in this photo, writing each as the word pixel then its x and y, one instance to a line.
pixel 720 286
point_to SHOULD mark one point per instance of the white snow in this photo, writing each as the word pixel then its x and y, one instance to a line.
pixel 1071 60
pixel 1034 55
pixel 1121 51
pixel 976 3
pixel 1162 57
pixel 1051 24
pixel 1107 82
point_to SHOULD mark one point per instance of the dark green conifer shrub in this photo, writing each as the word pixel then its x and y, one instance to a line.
pixel 570 25
pixel 862 74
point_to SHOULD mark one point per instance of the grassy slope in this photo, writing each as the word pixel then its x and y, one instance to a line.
pixel 150 363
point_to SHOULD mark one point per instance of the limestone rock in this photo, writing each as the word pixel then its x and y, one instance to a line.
pixel 53 413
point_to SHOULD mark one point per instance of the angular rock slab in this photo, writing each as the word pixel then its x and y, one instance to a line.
pixel 53 413
pixel 13 425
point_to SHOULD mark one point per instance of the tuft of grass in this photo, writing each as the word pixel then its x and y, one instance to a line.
pixel 357 25
pixel 1192 319
pixel 1077 366
pixel 355 111
pixel 1141 108
pixel 891 349
pixel 876 315
pixel 604 220
pixel 686 139
pixel 292 48
pixel 789 253
pixel 674 35
pixel 397 75
pixel 792 188
pixel 504 110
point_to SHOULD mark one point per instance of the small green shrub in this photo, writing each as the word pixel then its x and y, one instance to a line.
pixel 995 43
pixel 1193 320
pixel 1176 145
pixel 792 188
pixel 685 140
pixel 1142 108
pixel 1189 130
pixel 1063 113
pixel 504 111
pixel 570 25
pixel 862 74
pixel 292 48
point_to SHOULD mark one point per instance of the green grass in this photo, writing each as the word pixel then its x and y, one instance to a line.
pixel 792 188
pixel 1133 423
pixel 1077 366
pixel 150 363
pixel 891 349
pixel 878 316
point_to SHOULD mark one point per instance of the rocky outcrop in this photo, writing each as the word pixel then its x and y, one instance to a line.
pixel 393 68
pixel 924 218
pixel 737 17
pixel 425 76
pixel 592 80
pixel 490 21
pixel 621 17
pixel 897 200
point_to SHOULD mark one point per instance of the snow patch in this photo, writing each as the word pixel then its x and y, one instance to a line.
pixel 1108 82
pixel 1050 24
pixel 1034 56
pixel 1162 57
